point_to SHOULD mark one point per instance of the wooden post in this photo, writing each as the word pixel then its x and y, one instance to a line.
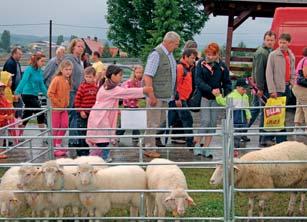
pixel 229 39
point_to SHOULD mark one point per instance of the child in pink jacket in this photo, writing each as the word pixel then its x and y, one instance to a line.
pixel 108 97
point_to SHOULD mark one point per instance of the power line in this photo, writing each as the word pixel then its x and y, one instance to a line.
pixel 8 25
pixel 79 26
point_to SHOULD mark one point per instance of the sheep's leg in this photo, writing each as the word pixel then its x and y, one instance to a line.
pixel 261 209
pixel 291 205
pixel 150 205
pixel 91 213
pixel 302 204
pixel 75 211
pixel 60 213
pixel 134 212
pixel 250 206
pixel 161 211
pixel 46 214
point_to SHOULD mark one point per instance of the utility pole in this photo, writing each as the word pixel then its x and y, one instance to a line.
pixel 50 39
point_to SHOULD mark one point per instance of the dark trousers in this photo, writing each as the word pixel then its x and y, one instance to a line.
pixel 105 152
pixel 32 101
pixel 185 117
pixel 82 124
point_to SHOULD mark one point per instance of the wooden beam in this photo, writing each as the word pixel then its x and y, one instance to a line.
pixel 238 49
pixel 241 59
pixel 241 18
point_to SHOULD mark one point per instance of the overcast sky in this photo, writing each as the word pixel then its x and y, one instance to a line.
pixel 92 13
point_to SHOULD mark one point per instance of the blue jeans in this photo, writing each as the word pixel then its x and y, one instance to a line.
pixel 186 118
pixel 73 121
pixel 105 152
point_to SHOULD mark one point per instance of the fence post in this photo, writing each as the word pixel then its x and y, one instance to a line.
pixel 225 169
pixel 49 126
pixel 230 158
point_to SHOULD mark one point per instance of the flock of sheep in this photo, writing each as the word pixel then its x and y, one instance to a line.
pixel 91 173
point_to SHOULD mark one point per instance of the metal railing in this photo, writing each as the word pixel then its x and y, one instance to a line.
pixel 226 132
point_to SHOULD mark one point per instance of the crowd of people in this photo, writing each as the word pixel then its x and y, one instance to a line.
pixel 70 81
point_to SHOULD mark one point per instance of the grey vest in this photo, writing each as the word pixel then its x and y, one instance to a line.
pixel 162 80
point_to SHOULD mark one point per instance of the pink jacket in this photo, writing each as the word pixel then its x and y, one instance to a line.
pixel 108 118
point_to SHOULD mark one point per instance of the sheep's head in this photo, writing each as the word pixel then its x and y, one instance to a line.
pixel 9 204
pixel 218 174
pixel 27 175
pixel 85 173
pixel 52 173
pixel 178 201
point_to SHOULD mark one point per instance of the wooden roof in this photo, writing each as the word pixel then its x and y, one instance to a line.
pixel 257 8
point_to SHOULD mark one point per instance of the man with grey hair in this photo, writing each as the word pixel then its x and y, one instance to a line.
pixel 53 64
pixel 160 73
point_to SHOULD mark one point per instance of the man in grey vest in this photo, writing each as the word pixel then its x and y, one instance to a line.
pixel 160 73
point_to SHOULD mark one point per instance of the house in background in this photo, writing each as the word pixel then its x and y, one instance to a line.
pixel 92 45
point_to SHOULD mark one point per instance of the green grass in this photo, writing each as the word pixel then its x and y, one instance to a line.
pixel 211 204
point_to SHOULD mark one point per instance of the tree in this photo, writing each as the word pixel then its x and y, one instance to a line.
pixel 106 51
pixel 73 37
pixel 60 40
pixel 240 53
pixel 136 26
pixel 6 40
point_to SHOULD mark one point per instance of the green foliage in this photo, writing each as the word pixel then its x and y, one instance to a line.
pixel 73 37
pixel 60 39
pixel 136 26
pixel 106 51
pixel 6 40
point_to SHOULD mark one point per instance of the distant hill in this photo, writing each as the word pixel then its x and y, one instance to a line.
pixel 27 39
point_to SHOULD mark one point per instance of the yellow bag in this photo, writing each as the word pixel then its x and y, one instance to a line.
pixel 275 116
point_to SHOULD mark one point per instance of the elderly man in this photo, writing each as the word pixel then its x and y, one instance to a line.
pixel 160 73
pixel 53 64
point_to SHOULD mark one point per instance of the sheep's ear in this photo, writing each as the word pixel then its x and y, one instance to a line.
pixel 14 200
pixel 236 168
pixel 60 172
pixel 94 171
pixel 190 201
pixel 39 172
pixel 169 198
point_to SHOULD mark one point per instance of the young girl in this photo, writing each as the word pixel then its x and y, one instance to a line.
pixel 85 98
pixel 108 97
pixel 5 115
pixel 58 93
pixel 134 82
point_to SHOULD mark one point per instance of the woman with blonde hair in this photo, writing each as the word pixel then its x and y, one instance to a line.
pixel 75 51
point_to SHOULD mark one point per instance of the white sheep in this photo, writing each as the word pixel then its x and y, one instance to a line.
pixel 270 175
pixel 11 203
pixel 31 179
pixel 61 178
pixel 93 160
pixel 167 177
pixel 118 178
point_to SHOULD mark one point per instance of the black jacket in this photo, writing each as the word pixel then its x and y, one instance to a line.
pixel 206 81
pixel 11 67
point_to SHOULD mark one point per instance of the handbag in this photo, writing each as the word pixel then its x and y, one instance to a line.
pixel 195 100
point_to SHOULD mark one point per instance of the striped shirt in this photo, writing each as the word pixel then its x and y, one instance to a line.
pixel 86 96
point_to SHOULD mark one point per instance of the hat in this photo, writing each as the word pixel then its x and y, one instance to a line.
pixel 242 82
pixel 2 84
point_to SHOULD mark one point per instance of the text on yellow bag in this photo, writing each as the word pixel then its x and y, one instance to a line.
pixel 275 116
